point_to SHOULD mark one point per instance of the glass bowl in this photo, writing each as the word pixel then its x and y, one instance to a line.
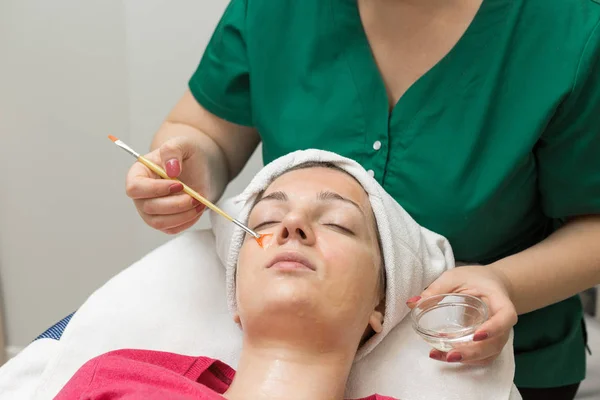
pixel 446 321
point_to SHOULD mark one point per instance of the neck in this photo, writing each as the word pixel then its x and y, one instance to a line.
pixel 388 11
pixel 278 371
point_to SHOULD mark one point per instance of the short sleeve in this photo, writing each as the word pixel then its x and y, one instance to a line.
pixel 568 154
pixel 221 83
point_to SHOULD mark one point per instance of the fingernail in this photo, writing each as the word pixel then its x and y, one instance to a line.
pixel 436 355
pixel 195 202
pixel 200 208
pixel 413 299
pixel 454 357
pixel 479 336
pixel 175 188
pixel 173 168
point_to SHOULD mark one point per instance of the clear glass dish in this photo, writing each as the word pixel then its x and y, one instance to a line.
pixel 446 321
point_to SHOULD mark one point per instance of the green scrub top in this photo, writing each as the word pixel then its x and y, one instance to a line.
pixel 492 148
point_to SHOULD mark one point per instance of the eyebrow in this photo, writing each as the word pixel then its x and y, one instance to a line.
pixel 323 196
pixel 279 196
pixel 327 195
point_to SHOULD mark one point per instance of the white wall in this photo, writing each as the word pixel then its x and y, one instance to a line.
pixel 165 41
pixel 71 72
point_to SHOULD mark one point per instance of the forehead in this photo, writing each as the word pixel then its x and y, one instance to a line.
pixel 309 181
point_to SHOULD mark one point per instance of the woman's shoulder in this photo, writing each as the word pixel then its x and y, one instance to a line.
pixel 579 14
pixel 558 27
pixel 273 26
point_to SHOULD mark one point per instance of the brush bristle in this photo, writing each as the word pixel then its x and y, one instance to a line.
pixel 111 137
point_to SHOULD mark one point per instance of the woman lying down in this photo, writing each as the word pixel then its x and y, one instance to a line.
pixel 330 285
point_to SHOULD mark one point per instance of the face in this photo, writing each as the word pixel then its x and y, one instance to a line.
pixel 323 261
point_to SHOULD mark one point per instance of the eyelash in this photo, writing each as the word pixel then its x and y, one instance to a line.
pixel 346 230
pixel 341 228
pixel 264 223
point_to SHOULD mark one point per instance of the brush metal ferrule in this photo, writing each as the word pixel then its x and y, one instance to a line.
pixel 127 149
pixel 245 228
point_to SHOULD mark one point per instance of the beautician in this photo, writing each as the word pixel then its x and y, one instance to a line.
pixel 482 118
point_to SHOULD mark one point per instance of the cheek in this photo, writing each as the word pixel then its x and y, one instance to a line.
pixel 248 252
pixel 247 259
pixel 345 253
pixel 243 256
pixel 335 253
pixel 350 267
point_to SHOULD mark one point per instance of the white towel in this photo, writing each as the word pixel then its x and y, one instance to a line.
pixel 413 256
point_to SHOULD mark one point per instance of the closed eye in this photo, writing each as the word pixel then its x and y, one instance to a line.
pixel 263 224
pixel 341 228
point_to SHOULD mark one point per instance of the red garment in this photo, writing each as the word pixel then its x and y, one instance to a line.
pixel 152 375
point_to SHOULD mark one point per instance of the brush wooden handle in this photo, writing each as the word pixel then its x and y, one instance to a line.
pixel 159 171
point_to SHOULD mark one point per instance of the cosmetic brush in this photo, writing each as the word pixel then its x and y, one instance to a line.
pixel 160 172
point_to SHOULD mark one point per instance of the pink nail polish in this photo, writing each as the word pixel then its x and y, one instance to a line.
pixel 195 203
pixel 413 299
pixel 435 355
pixel 173 168
pixel 454 357
pixel 479 336
pixel 176 188
pixel 200 209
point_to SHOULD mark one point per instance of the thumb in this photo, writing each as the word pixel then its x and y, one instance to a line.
pixel 446 283
pixel 172 154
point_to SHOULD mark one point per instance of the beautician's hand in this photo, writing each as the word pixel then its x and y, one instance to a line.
pixel 161 202
pixel 494 289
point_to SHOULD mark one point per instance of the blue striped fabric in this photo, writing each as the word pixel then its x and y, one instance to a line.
pixel 56 330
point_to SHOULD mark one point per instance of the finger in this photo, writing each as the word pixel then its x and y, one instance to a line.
pixel 183 227
pixel 149 188
pixel 141 183
pixel 427 302
pixel 167 205
pixel 166 222
pixel 446 283
pixel 172 154
pixel 486 361
pixel 437 355
pixel 412 302
pixel 449 282
pixel 502 320
pixel 472 351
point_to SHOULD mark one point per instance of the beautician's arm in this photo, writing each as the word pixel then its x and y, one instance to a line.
pixel 564 264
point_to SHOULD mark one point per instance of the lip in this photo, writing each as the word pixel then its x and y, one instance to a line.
pixel 291 257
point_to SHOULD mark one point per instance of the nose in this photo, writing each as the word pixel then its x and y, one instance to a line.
pixel 295 226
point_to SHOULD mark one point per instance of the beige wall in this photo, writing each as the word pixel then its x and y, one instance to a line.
pixel 72 72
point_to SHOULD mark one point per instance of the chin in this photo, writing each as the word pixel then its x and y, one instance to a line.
pixel 290 295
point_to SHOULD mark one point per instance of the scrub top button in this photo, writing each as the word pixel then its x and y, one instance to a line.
pixel 371 173
pixel 377 145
